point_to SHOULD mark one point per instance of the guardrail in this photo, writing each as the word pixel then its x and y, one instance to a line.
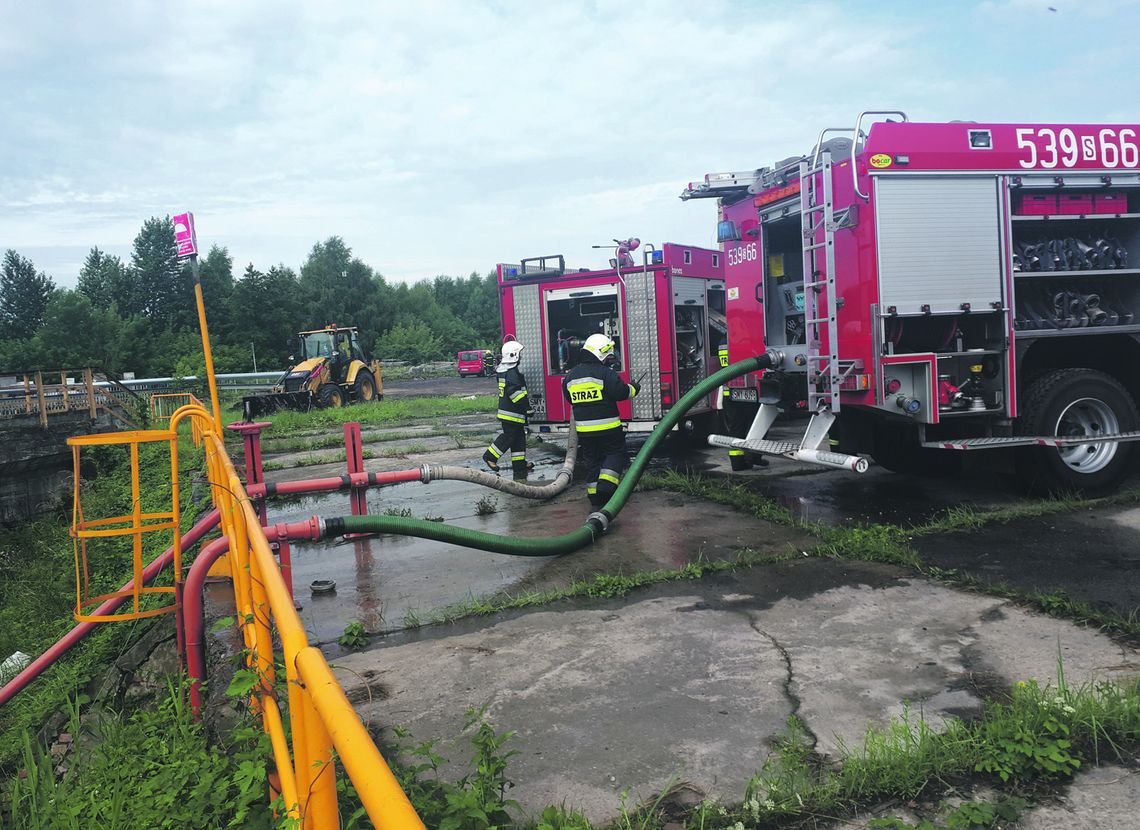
pixel 78 390
pixel 320 717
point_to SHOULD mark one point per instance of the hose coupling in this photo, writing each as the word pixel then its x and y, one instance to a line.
pixel 775 358
pixel 425 473
pixel 600 520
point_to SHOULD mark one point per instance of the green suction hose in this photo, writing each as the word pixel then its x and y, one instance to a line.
pixel 596 523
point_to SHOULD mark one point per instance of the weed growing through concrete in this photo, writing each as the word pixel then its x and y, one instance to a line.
pixel 401 512
pixel 354 636
pixel 486 505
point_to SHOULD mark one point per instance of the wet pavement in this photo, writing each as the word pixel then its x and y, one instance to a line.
pixel 691 680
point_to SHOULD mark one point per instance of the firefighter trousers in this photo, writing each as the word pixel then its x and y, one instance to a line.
pixel 603 459
pixel 513 440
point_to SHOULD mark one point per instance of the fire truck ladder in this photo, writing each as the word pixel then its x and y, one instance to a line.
pixel 820 307
pixel 825 375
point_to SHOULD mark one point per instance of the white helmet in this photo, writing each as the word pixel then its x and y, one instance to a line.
pixel 512 351
pixel 600 347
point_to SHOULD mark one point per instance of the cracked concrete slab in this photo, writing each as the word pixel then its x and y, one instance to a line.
pixel 1104 798
pixel 690 681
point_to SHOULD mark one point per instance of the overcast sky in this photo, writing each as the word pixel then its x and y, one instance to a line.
pixel 443 137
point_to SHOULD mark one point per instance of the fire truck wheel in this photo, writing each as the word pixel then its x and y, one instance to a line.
pixel 330 396
pixel 1076 402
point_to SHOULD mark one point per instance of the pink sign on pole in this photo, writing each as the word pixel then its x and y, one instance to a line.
pixel 184 235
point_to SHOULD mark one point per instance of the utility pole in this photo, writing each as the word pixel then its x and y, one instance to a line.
pixel 254 351
pixel 187 241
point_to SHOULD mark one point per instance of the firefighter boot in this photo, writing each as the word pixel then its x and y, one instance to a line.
pixel 740 461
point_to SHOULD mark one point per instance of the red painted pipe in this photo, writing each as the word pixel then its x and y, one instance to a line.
pixel 193 611
pixel 194 619
pixel 315 485
pixel 37 666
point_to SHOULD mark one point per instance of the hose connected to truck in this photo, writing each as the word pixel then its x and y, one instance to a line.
pixel 596 523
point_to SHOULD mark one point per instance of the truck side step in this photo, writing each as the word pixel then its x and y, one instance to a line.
pixel 793 450
pixel 1030 441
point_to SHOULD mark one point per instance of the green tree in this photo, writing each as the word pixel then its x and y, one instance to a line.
pixel 161 287
pixel 216 273
pixel 482 310
pixel 24 297
pixel 338 288
pixel 75 334
pixel 414 342
pixel 104 280
pixel 264 313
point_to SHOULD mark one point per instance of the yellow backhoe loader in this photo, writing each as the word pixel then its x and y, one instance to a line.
pixel 329 369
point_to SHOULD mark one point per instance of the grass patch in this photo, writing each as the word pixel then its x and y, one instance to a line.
pixel 871 543
pixel 602 586
pixel 970 518
pixel 37 581
pixel 387 411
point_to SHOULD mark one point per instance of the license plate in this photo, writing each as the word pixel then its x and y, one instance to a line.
pixel 747 395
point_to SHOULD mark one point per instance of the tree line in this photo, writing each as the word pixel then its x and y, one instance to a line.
pixel 140 316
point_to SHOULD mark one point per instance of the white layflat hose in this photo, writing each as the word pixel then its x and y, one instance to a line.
pixel 562 479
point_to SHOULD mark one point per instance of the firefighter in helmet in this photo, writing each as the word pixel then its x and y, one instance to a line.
pixel 514 407
pixel 593 389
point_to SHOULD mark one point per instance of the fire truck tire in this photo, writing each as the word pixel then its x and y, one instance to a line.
pixel 1075 402
pixel 330 396
pixel 896 448
pixel 365 387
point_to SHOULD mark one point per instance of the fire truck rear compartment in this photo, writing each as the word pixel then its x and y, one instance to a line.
pixel 784 291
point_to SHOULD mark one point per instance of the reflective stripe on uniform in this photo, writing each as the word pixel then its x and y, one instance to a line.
pixel 518 396
pixel 585 390
pixel 632 390
pixel 732 453
pixel 495 451
pixel 611 476
pixel 592 488
pixel 518 456
pixel 597 424
pixel 507 415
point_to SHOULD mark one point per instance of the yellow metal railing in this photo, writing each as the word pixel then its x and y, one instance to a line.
pixel 320 718
pixel 85 532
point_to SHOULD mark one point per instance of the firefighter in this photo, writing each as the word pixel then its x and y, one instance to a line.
pixel 514 407
pixel 593 389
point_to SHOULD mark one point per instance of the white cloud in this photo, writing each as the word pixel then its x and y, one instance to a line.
pixel 445 136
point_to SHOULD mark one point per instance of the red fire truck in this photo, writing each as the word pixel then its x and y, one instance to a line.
pixel 666 317
pixel 942 287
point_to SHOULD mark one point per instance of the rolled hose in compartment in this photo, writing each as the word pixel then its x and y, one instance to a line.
pixel 596 523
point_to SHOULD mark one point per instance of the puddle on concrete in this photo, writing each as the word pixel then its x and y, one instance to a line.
pixel 380 579
pixel 384 582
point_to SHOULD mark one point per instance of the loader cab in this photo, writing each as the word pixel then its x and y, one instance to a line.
pixel 313 344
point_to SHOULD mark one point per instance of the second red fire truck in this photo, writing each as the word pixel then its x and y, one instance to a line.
pixel 666 316
pixel 941 287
